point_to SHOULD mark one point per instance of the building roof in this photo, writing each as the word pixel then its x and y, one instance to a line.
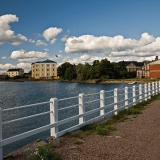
pixel 156 62
pixel 46 61
pixel 126 63
pixel 14 69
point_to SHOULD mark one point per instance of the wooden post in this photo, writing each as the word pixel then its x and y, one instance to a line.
pixel 115 100
pixel 54 116
pixel 126 97
pixel 81 108
pixel 102 101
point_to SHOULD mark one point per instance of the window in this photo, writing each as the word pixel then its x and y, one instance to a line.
pixel 47 64
pixel 42 69
pixel 47 69
pixel 53 69
pixel 36 65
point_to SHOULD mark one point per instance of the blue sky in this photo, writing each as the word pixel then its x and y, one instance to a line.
pixel 78 31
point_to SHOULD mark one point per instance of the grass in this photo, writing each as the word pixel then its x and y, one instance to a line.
pixel 101 130
pixel 78 142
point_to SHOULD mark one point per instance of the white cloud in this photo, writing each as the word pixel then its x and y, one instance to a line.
pixel 24 56
pixel 51 33
pixel 31 41
pixel 24 65
pixel 39 43
pixel 53 41
pixel 5 67
pixel 4 57
pixel 64 38
pixel 6 34
pixel 114 46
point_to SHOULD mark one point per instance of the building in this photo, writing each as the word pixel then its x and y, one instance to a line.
pixel 44 69
pixel 131 66
pixel 15 72
pixel 150 70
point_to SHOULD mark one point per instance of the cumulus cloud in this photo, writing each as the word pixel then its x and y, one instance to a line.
pixel 53 41
pixel 147 45
pixel 8 35
pixel 24 56
pixel 50 34
pixel 5 67
pixel 31 41
pixel 39 43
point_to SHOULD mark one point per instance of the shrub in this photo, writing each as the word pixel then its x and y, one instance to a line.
pixel 101 130
pixel 46 153
pixel 112 128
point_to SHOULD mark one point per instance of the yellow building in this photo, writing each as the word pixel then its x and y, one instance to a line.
pixel 44 69
pixel 15 72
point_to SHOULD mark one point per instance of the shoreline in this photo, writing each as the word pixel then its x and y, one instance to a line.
pixel 92 81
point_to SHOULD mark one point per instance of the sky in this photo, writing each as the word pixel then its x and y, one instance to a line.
pixel 77 31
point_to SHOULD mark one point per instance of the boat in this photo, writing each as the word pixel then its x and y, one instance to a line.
pixel 132 83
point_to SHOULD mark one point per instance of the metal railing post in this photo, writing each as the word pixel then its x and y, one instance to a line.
pixel 159 87
pixel 102 101
pixel 134 95
pixel 140 93
pixel 126 97
pixel 54 116
pixel 153 89
pixel 145 92
pixel 81 108
pixel 149 91
pixel 115 100
pixel 1 148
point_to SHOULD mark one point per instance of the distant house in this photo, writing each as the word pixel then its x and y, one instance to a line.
pixel 44 69
pixel 131 66
pixel 150 70
pixel 3 76
pixel 27 75
pixel 15 72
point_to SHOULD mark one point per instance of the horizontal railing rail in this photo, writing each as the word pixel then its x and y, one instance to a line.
pixel 120 98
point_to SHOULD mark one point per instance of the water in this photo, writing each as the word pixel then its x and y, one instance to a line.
pixel 13 94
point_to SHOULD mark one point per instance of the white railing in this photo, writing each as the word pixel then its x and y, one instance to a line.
pixel 131 96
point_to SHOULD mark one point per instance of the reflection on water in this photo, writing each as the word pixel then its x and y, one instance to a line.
pixel 13 94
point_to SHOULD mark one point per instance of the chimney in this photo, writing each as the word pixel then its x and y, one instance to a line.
pixel 156 58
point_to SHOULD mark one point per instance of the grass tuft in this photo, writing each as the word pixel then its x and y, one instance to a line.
pixel 78 142
pixel 101 130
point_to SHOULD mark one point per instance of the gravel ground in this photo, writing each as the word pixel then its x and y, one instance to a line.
pixel 135 139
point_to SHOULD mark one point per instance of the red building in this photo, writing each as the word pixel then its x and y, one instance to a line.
pixel 151 70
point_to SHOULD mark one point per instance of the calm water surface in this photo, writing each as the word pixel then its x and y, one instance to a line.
pixel 14 94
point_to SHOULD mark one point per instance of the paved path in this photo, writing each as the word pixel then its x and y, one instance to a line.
pixel 136 139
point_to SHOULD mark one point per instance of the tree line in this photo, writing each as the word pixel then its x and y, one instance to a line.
pixel 103 69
